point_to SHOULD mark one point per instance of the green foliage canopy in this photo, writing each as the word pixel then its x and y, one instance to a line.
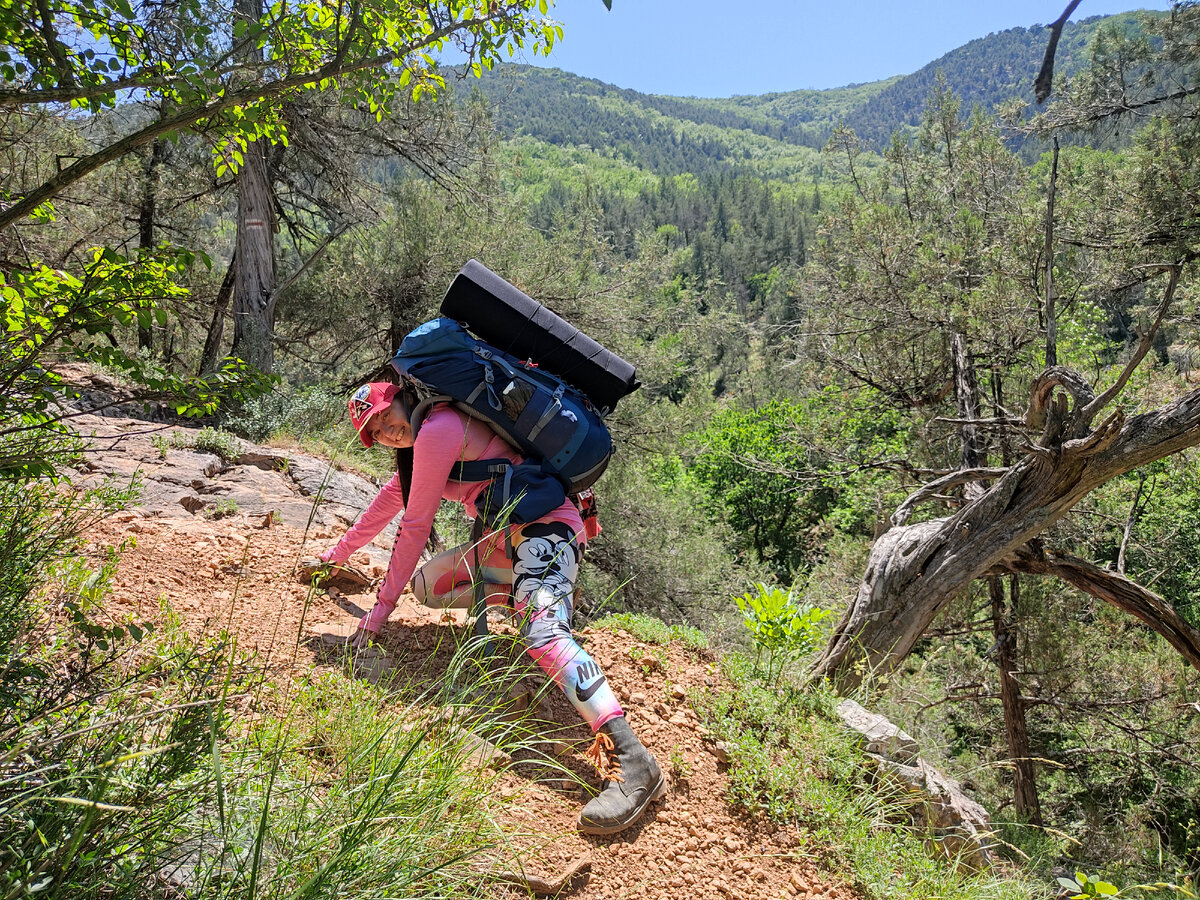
pixel 51 316
pixel 223 70
pixel 783 472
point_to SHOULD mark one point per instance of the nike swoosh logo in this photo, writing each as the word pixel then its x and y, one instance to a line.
pixel 585 693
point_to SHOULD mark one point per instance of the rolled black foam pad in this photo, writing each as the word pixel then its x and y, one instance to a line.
pixel 514 322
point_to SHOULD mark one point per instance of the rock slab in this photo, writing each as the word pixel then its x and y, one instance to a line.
pixel 173 479
pixel 959 826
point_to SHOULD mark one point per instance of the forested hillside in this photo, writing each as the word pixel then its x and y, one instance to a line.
pixel 917 425
pixel 564 109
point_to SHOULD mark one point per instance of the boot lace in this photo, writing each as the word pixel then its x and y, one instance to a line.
pixel 603 756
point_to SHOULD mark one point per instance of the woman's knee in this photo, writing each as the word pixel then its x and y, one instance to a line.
pixel 544 624
pixel 420 587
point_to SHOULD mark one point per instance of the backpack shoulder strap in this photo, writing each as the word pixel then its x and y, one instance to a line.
pixel 479 600
pixel 480 469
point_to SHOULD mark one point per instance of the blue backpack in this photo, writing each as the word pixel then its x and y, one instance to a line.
pixel 554 426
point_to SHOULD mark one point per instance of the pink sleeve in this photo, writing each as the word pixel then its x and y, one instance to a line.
pixel 387 503
pixel 438 447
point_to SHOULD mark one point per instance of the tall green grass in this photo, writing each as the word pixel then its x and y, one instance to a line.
pixel 139 762
pixel 791 760
pixel 179 772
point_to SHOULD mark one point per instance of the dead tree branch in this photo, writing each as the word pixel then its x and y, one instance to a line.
pixel 1045 77
pixel 1144 345
pixel 1112 587
pixel 928 491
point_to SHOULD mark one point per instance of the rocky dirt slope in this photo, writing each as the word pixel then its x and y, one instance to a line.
pixel 237 573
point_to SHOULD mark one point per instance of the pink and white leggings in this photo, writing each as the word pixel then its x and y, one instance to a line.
pixel 541 574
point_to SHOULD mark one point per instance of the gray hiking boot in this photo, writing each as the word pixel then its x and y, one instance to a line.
pixel 631 780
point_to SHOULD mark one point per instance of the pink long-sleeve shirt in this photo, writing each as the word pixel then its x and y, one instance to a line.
pixel 446 437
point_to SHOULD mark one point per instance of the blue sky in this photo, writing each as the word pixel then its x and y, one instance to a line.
pixel 719 48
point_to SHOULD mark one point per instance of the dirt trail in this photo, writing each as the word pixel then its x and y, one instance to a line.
pixel 236 573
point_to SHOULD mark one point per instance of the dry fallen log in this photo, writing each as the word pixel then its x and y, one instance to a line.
pixel 577 872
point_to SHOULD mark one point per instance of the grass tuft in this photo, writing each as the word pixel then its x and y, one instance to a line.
pixel 653 631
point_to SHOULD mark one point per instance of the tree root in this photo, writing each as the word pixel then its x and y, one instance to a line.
pixel 576 874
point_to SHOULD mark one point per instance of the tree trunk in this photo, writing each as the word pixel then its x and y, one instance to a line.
pixel 966 395
pixel 254 278
pixel 216 327
pixel 147 212
pixel 1025 793
pixel 913 571
pixel 1049 306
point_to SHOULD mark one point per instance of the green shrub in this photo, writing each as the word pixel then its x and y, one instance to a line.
pixel 40 529
pixel 781 626
pixel 312 412
pixel 778 473
pixel 1093 887
pixel 219 443
pixel 657 555
pixel 222 508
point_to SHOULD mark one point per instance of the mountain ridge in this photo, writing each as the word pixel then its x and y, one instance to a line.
pixel 560 107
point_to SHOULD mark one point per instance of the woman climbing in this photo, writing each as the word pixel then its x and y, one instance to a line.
pixel 540 575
